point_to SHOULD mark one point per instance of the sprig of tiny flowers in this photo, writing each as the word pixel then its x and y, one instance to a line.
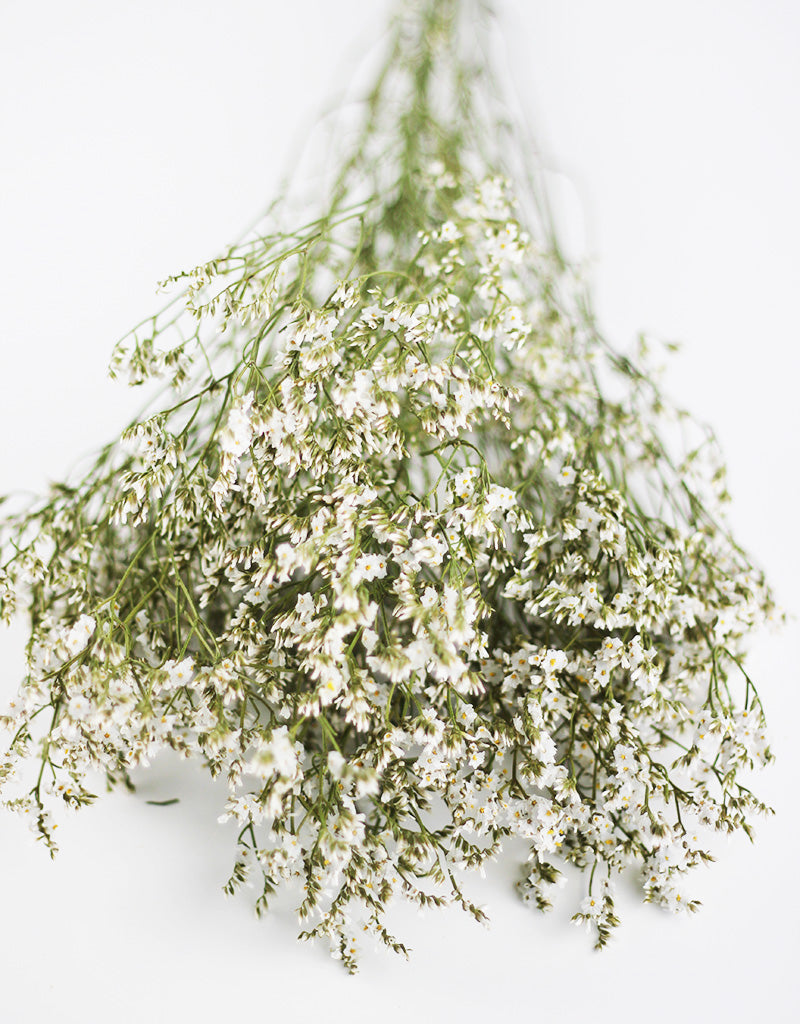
pixel 406 559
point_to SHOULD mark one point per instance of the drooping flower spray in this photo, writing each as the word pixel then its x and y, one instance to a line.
pixel 407 553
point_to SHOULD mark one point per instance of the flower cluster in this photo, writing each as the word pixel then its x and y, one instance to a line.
pixel 408 558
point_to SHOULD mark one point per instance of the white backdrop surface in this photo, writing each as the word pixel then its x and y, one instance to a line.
pixel 137 140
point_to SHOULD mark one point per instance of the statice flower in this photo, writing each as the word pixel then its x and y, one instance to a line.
pixel 408 557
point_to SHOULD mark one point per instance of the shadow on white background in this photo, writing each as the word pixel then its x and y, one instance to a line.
pixel 138 140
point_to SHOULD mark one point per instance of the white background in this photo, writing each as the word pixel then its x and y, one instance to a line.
pixel 137 139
